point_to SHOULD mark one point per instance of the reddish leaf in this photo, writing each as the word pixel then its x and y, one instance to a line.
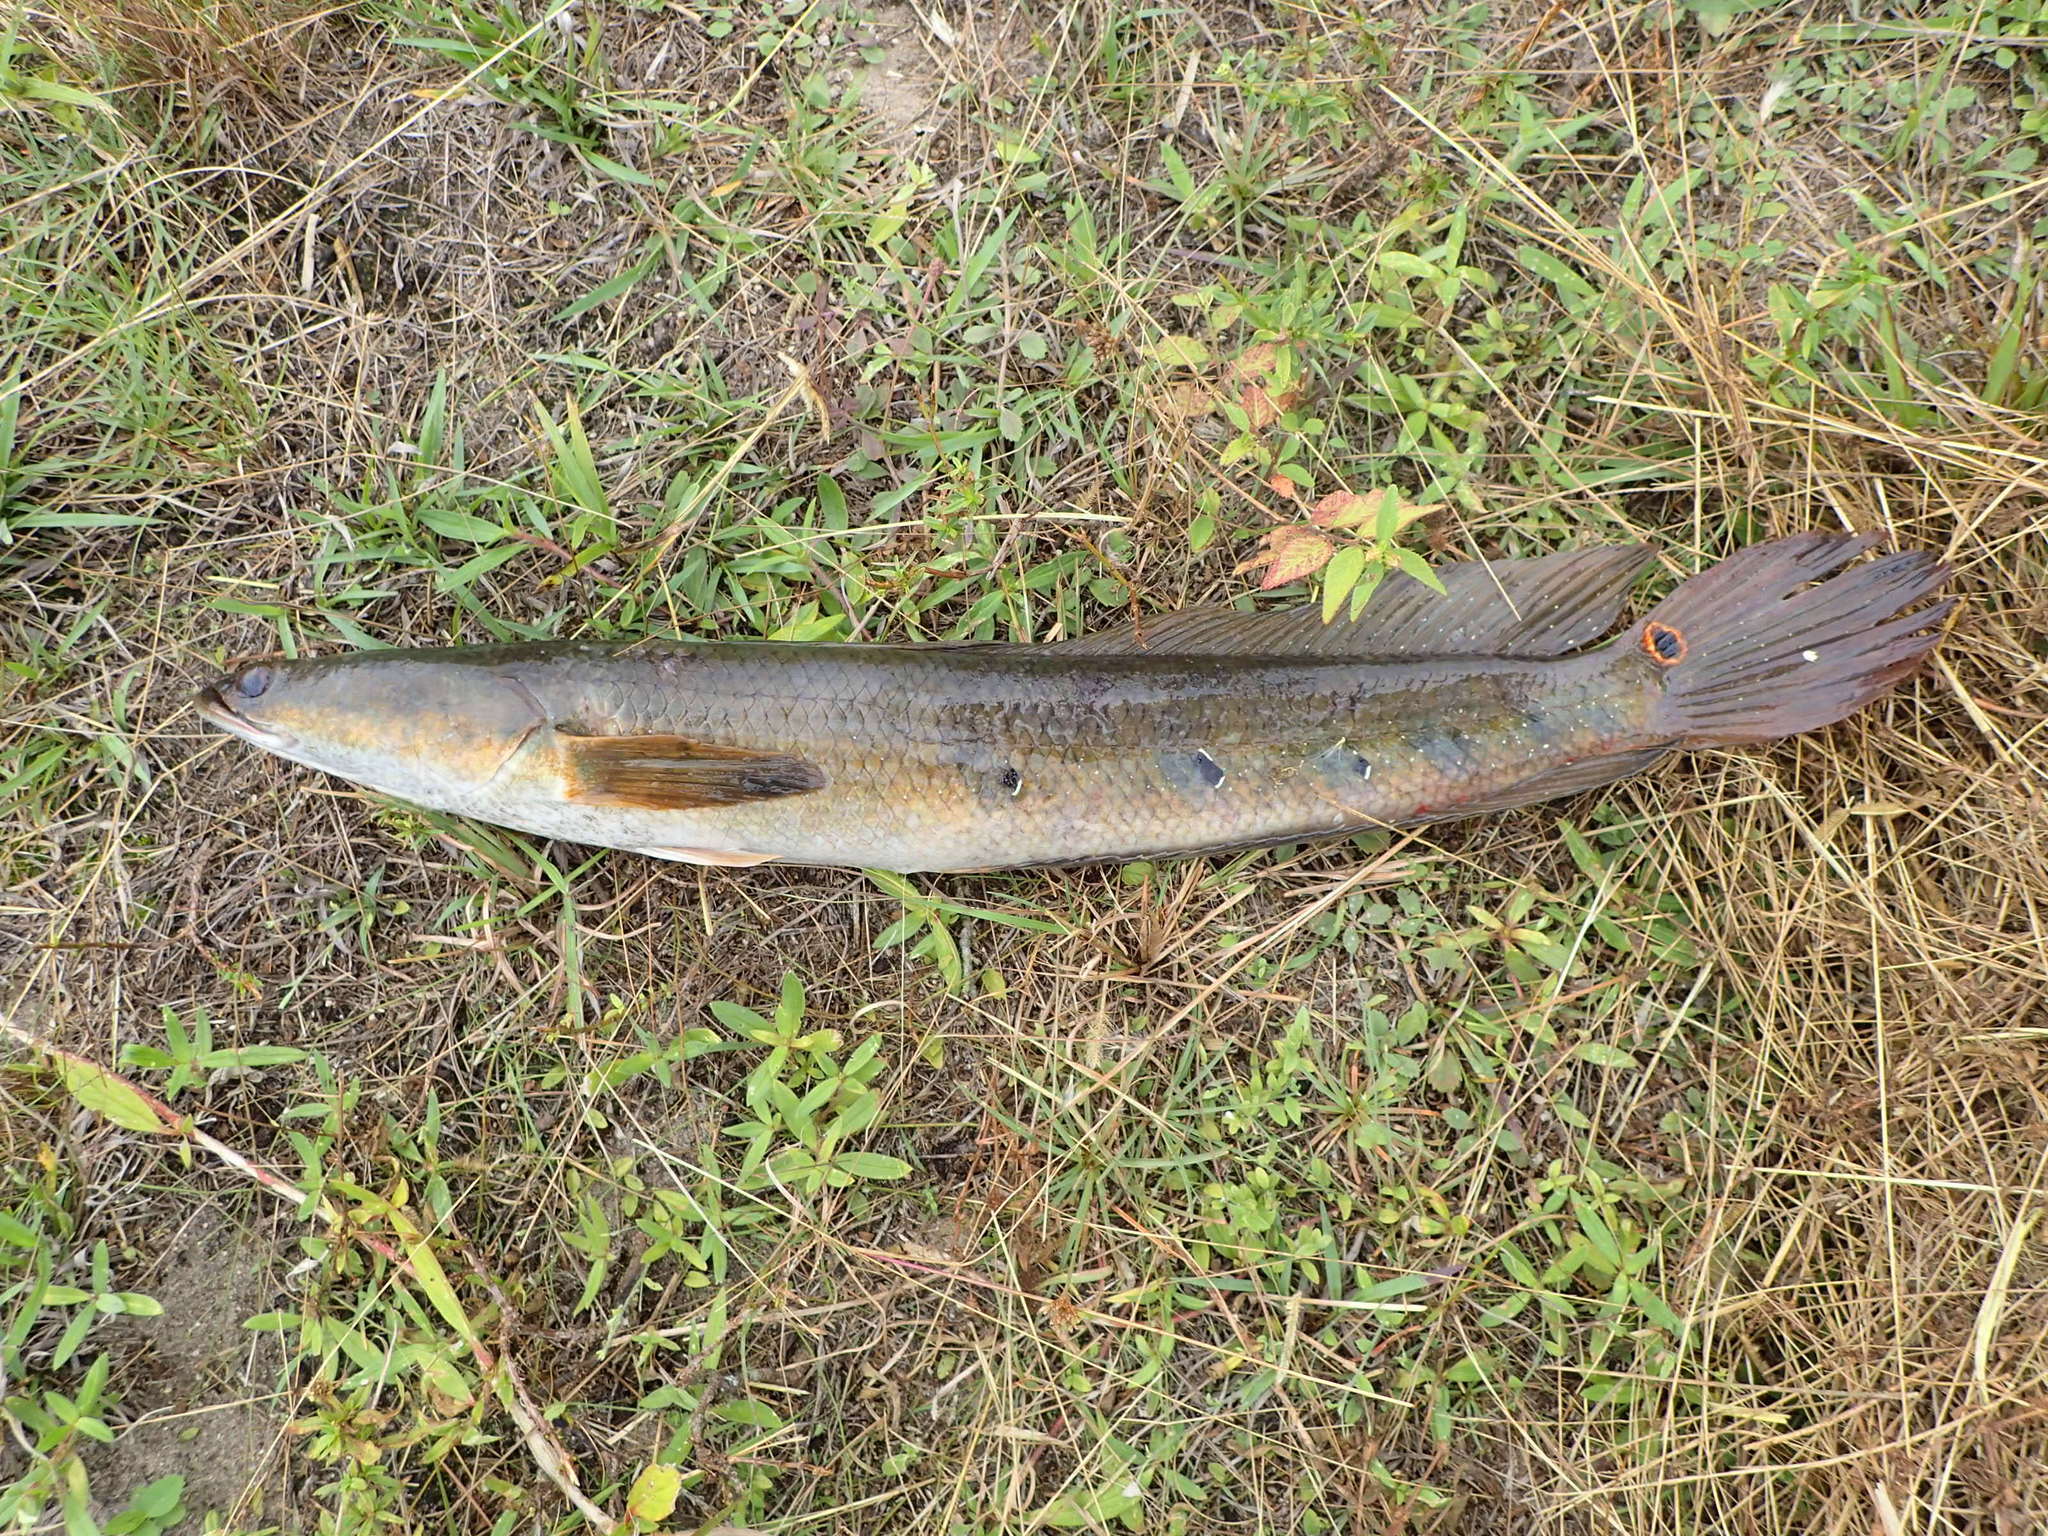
pixel 1283 486
pixel 1186 399
pixel 1261 409
pixel 1256 361
pixel 1256 373
pixel 1384 509
pixel 1290 553
pixel 1346 509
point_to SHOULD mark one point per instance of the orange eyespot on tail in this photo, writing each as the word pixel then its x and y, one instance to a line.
pixel 1663 644
pixel 1781 638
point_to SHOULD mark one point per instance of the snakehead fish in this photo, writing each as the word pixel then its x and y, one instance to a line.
pixel 1189 732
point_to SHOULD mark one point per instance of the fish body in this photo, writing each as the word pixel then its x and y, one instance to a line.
pixel 1195 732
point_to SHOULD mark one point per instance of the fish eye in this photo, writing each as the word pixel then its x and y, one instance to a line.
pixel 253 682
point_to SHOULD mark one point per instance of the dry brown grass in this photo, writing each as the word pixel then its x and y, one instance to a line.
pixel 231 311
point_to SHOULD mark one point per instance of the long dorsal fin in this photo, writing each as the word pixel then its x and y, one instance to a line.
pixel 674 773
pixel 1543 606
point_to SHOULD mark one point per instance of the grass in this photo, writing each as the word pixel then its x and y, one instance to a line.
pixel 1666 1161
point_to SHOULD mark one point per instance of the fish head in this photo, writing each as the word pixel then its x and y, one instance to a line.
pixel 427 726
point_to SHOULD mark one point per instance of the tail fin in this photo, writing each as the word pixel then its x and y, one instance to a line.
pixel 1752 653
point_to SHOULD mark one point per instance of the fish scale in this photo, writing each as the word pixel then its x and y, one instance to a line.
pixel 1191 732
pixel 912 743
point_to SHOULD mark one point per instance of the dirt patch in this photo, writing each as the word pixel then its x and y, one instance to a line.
pixel 903 91
pixel 911 61
pixel 201 1397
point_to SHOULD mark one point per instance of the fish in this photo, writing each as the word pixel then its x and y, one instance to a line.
pixel 1196 731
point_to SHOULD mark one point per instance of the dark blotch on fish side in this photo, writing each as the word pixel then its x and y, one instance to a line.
pixel 1191 771
pixel 1446 749
pixel 1343 765
pixel 989 775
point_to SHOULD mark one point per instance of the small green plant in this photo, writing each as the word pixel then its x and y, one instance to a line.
pixel 153 1509
pixel 58 1391
pixel 30 78
pixel 807 1103
pixel 188 1054
pixel 928 926
pixel 1517 933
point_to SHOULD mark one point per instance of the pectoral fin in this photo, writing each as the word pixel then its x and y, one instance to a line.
pixel 675 773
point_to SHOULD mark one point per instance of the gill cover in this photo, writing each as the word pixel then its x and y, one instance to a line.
pixel 432 726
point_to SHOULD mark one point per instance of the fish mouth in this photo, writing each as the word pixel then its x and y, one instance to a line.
pixel 211 702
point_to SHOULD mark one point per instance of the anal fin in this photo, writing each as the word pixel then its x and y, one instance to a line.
pixel 724 858
pixel 1568 779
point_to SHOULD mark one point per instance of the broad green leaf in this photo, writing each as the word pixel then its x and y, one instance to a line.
pixel 1094 1509
pixel 1416 566
pixel 253 1056
pixel 158 1500
pixel 1402 264
pixel 441 1374
pixel 604 165
pixel 831 501
pixel 653 1496
pixel 466 526
pixel 107 1095
pixel 1177 171
pixel 893 883
pixel 1368 584
pixel 603 293
pixel 60 93
pixel 747 1412
pixel 1566 280
pixel 1340 577
pixel 872 1165
pixel 886 226
pixel 734 1016
pixel 789 1008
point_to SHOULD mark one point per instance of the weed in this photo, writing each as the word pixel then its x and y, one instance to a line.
pixel 1667 1162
